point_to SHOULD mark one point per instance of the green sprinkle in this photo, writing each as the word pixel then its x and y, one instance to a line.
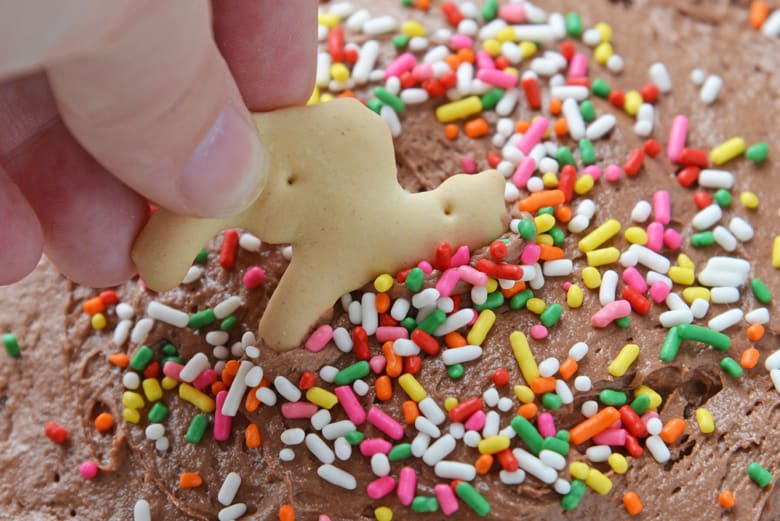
pixel 761 291
pixel 472 498
pixel 671 344
pixel 519 300
pixel 623 322
pixel 141 358
pixel 587 110
pixel 558 235
pixel 565 157
pixel 414 279
pixel 409 323
pixel 641 404
pixel 759 474
pixel 170 350
pixel 491 98
pixel 556 445
pixel 758 152
pixel 600 88
pixel 705 336
pixel 158 412
pixel 228 323
pixel 613 397
pixel 563 434
pixel 176 358
pixel 354 437
pixel 587 152
pixel 547 210
pixel 732 368
pixel 493 301
pixel 202 319
pixel 11 345
pixel 425 504
pixel 400 451
pixel 407 3
pixel 202 256
pixel 527 229
pixel 572 499
pixel 551 315
pixel 432 322
pixel 723 198
pixel 528 433
pixel 456 371
pixel 702 239
pixel 351 373
pixel 374 104
pixel 573 24
pixel 388 98
pixel 489 10
pixel 551 401
pixel 197 428
pixel 400 41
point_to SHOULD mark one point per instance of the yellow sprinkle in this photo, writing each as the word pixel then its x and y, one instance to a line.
pixel 132 400
pixel 152 389
pixel 623 360
pixel 749 200
pixel 493 444
pixel 524 393
pixel 682 276
pixel 339 72
pixel 705 421
pixel 544 222
pixel 591 277
pixel 603 256
pixel 598 481
pixel 545 238
pixel 459 109
pixel 632 102
pixel 326 96
pixel 685 262
pixel 536 305
pixel 578 470
pixel 412 28
pixel 315 96
pixel 412 387
pixel 200 400
pixel 169 383
pixel 618 463
pixel 513 71
pixel 599 235
pixel 131 415
pixel 550 179
pixel 383 514
pixel 450 403
pixel 329 20
pixel 636 235
pixel 583 185
pixel 481 327
pixel 692 293
pixel 527 49
pixel 574 296
pixel 605 30
pixel 507 34
pixel 524 356
pixel 492 47
pixel 776 252
pixel 603 52
pixel 383 283
pixel 98 321
pixel 728 150
pixel 322 398
pixel 492 285
pixel 655 398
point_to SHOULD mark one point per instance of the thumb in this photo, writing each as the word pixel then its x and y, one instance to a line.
pixel 150 97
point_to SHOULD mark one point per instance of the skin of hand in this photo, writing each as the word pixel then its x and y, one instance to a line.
pixel 105 105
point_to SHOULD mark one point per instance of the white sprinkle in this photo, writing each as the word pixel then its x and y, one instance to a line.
pixel 342 448
pixel 320 419
pixel 583 384
pixel 658 449
pixel 360 387
pixel 328 373
pixel 460 355
pixel 589 408
pixel 562 486
pixel 512 478
pixel 436 54
pixel 675 317
pixel 414 96
pixel 707 217
pixel 227 492
pixel 774 374
pixel 535 33
pixel 154 431
pixel 252 352
pixel 641 212
pixel 456 320
pixel 558 268
pixel 366 60
pixel 439 450
pixel 699 308
pixel 608 287
pixel 337 429
pixel 336 476
pixel 698 76
pixel 490 397
pixel 293 436
pixel 578 351
pixel 578 224
pixel 194 366
pixel 711 89
pixel 162 444
pixel 548 367
pixel 578 92
pixel 237 389
pixel 591 37
pixel 420 444
pixel 380 25
pixel 598 453
pixel 122 331
pixel 266 396
pixel 455 470
pixel 418 43
pixel 286 454
pixel 654 426
pixel 771 25
pixel 355 312
pixel 773 361
pixel 602 126
pixel 492 424
pixel 380 464
pixel 535 467
pixel 237 350
pixel 653 276
pixel 357 19
pixel 724 238
pixel 124 311
pixel 232 512
pixel 710 178
pixel 217 338
pixel 724 295
pixel 431 409
pixel 141 511
pixel 227 307
pixel 319 448
pixel 131 380
pixel 423 424
pixel 391 118
pixel 193 274
pixel 615 63
pixel 287 389
pixel 141 330
pixel 343 339
pixel 741 229
pixel 552 459
pixel 254 376
pixel 563 391
pixel 571 111
pixel 758 316
pixel 457 430
pixel 249 242
pixel 472 438
pixel 674 302
pixel 660 76
pixel 505 404
pixel 726 319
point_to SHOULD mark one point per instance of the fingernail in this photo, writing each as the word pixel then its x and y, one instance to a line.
pixel 227 171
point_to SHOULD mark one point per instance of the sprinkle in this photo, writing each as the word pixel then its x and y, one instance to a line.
pixel 88 470
pixel 705 421
pixel 142 511
pixel 761 476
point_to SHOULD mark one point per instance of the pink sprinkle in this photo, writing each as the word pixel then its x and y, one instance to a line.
pixel 88 470
pixel 403 63
pixel 381 487
pixel 472 275
pixel 222 423
pixel 447 282
pixel 592 170
pixel 461 41
pixel 172 370
pixel 524 171
pixel 578 67
pixel 497 78
pixel 655 236
pixel 612 173
pixel 511 14
pixel 672 238
pixel 382 421
pixel 422 71
pixel 677 137
pixel 531 253
pixel 484 61
pixel 323 517
pixel 468 164
pixel 613 437
pixel 662 207
pixel 319 339
pixel 298 410
pixel 566 286
pixel 474 317
pixel 377 363
pixel 546 424
pixel 461 257
pixel 610 312
pixel 533 135
pixel 617 425
pixel 425 266
pixel 204 379
pixel 633 278
pixel 385 333
pixel 371 446
pixel 253 277
pixel 539 332
pixel 659 291
pixel 407 485
pixel 649 415
pixel 448 503
pixel 350 404
pixel 476 421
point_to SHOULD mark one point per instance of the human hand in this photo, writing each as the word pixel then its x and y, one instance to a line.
pixel 104 105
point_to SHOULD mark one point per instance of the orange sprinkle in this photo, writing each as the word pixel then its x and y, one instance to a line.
pixel 555 106
pixel 466 55
pixel 755 332
pixel 597 423
pixel 411 412
pixel 347 94
pixel 632 503
pixel 394 364
pixel 451 131
pixel 475 128
pixel 483 464
pixel 190 480
pixel 230 371
pixel 672 431
pixel 252 403
pixel 423 4
pixel 514 290
pixel 252 436
pixel 528 410
pixel 119 360
pixel 550 252
pixel 104 422
pixel 522 126
pixel 384 388
pixel 759 12
pixel 568 368
pixel 560 127
pixel 726 499
pixel 453 61
pixel 216 387
pixel 286 513
pixel 382 302
pixel 94 306
pixel 454 339
pixel 563 213
pixel 537 200
pixel 749 358
pixel 542 384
